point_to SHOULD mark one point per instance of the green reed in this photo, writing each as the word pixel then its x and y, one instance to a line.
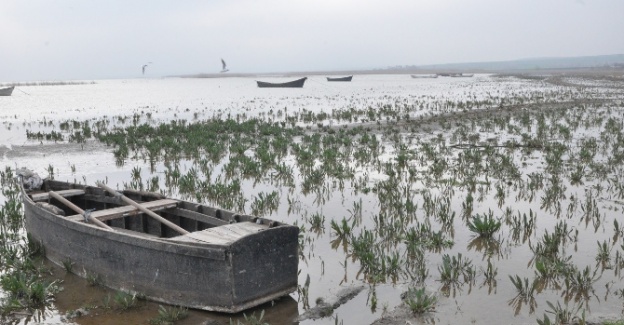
pixel 484 225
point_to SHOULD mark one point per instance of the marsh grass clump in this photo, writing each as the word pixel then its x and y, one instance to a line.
pixel 549 270
pixel 343 229
pixel 456 268
pixel 26 290
pixel 68 265
pixel 525 288
pixel 484 226
pixel 549 247
pixel 421 236
pixel 604 252
pixel 265 203
pixel 317 222
pixel 251 319
pixel 375 262
pixel 419 301
pixel 169 315
pixel 21 280
pixel 490 272
pixel 581 281
pixel 93 279
pixel 563 315
pixel 526 291
pixel 125 301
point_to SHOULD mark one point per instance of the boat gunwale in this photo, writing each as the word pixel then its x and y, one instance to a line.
pixel 97 231
pixel 169 244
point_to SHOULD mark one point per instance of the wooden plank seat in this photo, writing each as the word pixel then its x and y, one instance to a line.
pixel 37 197
pixel 221 235
pixel 135 233
pixel 127 210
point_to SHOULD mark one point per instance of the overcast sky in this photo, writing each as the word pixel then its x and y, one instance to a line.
pixel 95 39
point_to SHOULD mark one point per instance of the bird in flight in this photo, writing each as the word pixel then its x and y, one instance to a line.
pixel 225 69
pixel 145 66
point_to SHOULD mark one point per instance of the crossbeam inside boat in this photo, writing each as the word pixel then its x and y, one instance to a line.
pixel 115 213
pixel 39 197
pixel 128 210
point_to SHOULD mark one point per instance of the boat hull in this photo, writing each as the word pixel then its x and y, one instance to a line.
pixel 291 84
pixel 225 278
pixel 346 79
pixel 6 91
pixel 424 76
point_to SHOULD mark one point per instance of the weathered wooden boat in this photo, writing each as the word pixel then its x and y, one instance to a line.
pixel 340 78
pixel 170 251
pixel 6 91
pixel 291 84
pixel 420 76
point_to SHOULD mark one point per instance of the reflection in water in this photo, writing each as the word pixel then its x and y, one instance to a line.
pixel 518 301
pixel 488 246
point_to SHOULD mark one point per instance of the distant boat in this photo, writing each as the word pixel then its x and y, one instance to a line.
pixel 461 75
pixel 6 91
pixel 291 84
pixel 340 78
pixel 418 76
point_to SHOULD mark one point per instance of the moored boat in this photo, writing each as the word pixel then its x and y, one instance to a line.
pixel 348 78
pixel 291 84
pixel 6 91
pixel 419 76
pixel 462 75
pixel 168 250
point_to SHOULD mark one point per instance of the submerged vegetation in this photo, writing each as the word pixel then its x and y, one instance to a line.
pixel 410 192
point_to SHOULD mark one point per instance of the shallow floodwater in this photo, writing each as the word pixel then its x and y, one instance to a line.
pixel 329 266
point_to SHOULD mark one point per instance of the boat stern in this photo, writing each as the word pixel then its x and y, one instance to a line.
pixel 264 266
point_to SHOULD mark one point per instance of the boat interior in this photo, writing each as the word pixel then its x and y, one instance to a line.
pixel 175 219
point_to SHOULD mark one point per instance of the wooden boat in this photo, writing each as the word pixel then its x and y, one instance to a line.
pixel 170 251
pixel 462 75
pixel 291 84
pixel 340 78
pixel 6 91
pixel 420 76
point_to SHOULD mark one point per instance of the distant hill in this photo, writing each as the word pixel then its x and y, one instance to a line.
pixel 599 61
pixel 533 65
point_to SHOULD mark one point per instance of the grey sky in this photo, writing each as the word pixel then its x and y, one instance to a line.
pixel 92 39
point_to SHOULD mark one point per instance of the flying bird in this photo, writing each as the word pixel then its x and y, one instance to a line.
pixel 145 66
pixel 225 69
